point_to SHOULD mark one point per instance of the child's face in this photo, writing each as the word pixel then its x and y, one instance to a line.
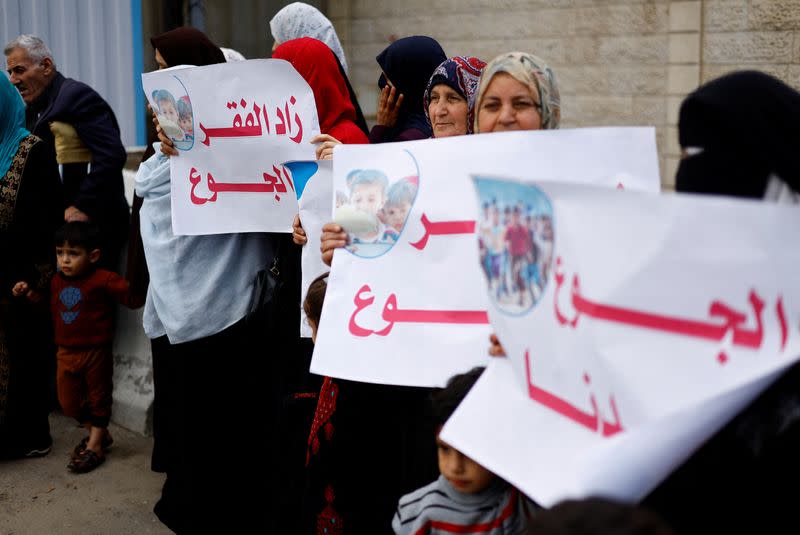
pixel 168 110
pixel 463 473
pixel 396 215
pixel 367 198
pixel 186 124
pixel 75 261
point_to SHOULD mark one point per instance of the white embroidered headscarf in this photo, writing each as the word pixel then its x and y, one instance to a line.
pixel 302 20
pixel 231 54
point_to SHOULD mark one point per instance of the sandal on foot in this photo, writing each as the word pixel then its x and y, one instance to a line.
pixel 105 444
pixel 85 462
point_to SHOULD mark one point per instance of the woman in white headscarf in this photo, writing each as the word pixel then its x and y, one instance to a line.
pixel 302 20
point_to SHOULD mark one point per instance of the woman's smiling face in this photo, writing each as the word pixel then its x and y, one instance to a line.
pixel 508 104
pixel 448 111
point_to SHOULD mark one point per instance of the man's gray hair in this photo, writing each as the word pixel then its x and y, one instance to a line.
pixel 34 46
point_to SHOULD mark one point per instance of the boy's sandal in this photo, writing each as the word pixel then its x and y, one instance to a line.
pixel 105 444
pixel 85 462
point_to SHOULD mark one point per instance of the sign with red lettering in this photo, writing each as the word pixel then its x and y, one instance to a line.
pixel 406 302
pixel 234 125
pixel 635 327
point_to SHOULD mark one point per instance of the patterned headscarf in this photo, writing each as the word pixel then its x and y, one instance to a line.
pixel 12 124
pixel 534 73
pixel 461 74
pixel 302 20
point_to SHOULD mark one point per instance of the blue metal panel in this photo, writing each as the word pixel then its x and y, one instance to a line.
pixel 93 41
pixel 138 68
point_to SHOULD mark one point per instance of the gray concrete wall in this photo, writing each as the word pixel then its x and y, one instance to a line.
pixel 619 62
pixel 133 370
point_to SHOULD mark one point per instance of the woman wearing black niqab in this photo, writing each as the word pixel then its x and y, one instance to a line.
pixel 740 136
pixel 737 131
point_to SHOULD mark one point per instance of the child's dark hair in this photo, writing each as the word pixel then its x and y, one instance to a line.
pixel 184 109
pixel 160 95
pixel 78 234
pixel 315 297
pixel 445 400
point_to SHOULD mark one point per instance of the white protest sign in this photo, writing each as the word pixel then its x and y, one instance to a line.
pixel 315 211
pixel 656 321
pixel 405 302
pixel 234 124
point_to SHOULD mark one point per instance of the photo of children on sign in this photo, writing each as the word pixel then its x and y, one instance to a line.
pixel 373 208
pixel 175 117
pixel 515 239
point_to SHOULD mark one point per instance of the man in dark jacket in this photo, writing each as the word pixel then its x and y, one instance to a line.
pixel 92 192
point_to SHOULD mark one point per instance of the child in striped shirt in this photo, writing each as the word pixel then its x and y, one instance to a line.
pixel 466 498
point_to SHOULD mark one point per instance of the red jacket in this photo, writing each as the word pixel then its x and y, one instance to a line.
pixel 83 307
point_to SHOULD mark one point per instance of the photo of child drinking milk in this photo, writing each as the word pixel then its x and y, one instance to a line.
pixel 374 211
pixel 175 117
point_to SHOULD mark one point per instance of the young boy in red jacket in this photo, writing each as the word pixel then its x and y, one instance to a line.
pixel 82 302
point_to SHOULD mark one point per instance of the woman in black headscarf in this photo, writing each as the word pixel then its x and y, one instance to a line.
pixel 407 65
pixel 740 136
pixel 214 396
pixel 181 46
pixel 737 132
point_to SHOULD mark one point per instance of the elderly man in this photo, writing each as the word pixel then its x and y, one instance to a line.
pixel 58 108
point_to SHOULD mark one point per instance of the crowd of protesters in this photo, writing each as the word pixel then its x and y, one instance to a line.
pixel 249 440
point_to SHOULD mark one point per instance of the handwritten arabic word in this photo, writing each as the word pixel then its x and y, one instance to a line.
pixel 253 125
pixel 442 228
pixel 729 320
pixel 590 420
pixel 272 184
pixel 391 314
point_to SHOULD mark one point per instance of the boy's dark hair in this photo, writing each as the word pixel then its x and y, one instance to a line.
pixel 315 297
pixel 597 516
pixel 184 109
pixel 78 234
pixel 446 400
pixel 164 95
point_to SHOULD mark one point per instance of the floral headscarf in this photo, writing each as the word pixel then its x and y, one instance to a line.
pixel 462 74
pixel 534 73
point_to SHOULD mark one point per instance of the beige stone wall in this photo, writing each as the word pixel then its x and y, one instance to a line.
pixel 619 62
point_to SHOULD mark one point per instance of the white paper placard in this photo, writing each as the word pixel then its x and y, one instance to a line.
pixel 661 317
pixel 542 455
pixel 234 125
pixel 406 302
